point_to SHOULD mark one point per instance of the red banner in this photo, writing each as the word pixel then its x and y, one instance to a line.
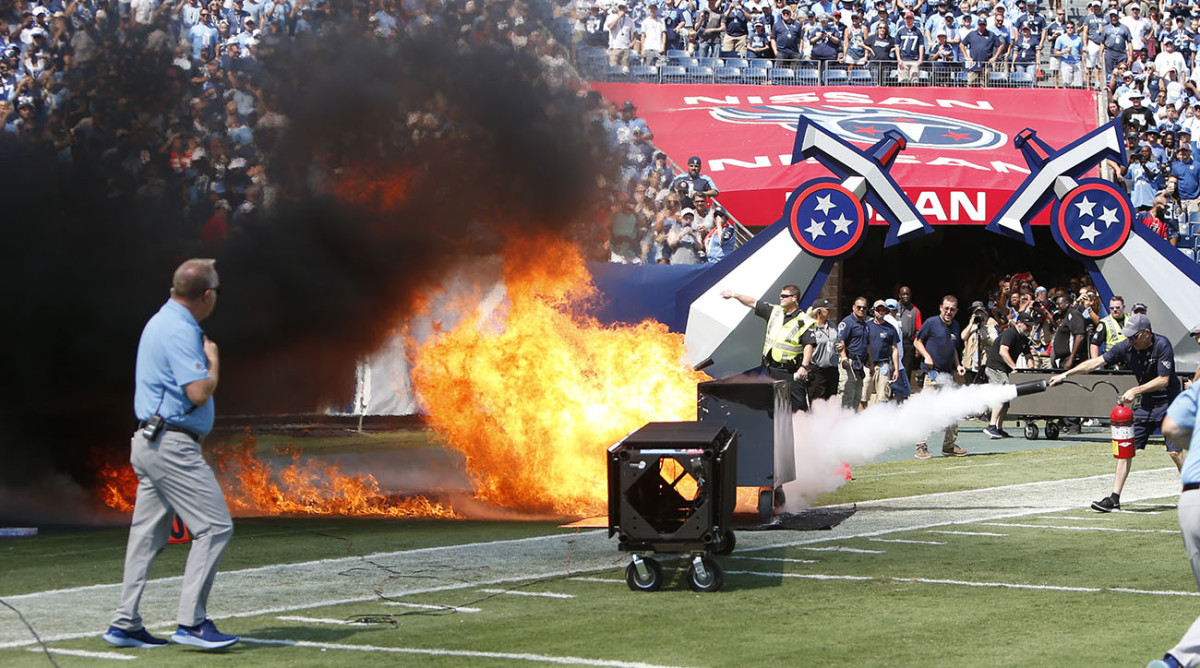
pixel 960 166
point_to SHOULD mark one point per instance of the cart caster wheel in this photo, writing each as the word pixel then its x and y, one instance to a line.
pixel 780 497
pixel 1052 431
pixel 728 541
pixel 705 574
pixel 766 505
pixel 651 582
pixel 1031 431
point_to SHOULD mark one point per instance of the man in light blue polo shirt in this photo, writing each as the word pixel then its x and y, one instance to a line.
pixel 1180 427
pixel 177 372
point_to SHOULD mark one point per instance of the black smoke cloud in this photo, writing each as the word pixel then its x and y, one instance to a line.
pixel 481 142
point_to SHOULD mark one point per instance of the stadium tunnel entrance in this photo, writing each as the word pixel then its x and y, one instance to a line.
pixel 963 260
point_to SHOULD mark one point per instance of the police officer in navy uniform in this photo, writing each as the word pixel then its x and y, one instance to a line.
pixel 1152 360
pixel 782 349
pixel 176 375
pixel 852 346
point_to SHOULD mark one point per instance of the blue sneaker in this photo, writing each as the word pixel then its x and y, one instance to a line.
pixel 992 431
pixel 1167 661
pixel 138 638
pixel 203 635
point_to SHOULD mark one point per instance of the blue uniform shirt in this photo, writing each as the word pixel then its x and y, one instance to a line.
pixel 882 338
pixel 171 355
pixel 1188 174
pixel 1183 412
pixel 1146 365
pixel 853 332
pixel 941 341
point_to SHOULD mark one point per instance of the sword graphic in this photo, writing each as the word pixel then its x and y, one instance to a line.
pixel 1053 177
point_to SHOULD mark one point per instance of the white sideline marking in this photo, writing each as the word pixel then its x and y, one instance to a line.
pixel 540 658
pixel 426 606
pixel 1094 518
pixel 85 654
pixel 315 620
pixel 592 579
pixel 841 548
pixel 968 533
pixel 907 542
pixel 515 592
pixel 786 560
pixel 1070 528
pixel 967 583
pixel 971 466
pixel 1135 512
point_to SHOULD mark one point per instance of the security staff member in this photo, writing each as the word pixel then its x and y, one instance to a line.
pixel 782 349
pixel 1152 360
pixel 1108 331
pixel 176 375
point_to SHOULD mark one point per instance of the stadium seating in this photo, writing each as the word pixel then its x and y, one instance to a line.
pixel 674 74
pixel 836 78
pixel 782 76
pixel 701 74
pixel 737 62
pixel 683 61
pixel 616 73
pixel 1021 79
pixel 755 75
pixel 861 78
pixel 729 74
pixel 808 77
pixel 644 73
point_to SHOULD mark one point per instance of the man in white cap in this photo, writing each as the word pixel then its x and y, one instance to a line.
pixel 1152 360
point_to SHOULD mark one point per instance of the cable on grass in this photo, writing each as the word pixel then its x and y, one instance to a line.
pixel 49 656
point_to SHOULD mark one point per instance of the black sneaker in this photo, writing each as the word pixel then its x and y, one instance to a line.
pixel 1106 505
pixel 992 432
pixel 1003 434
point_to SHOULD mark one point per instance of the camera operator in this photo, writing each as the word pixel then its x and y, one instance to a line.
pixel 978 337
pixel 1041 334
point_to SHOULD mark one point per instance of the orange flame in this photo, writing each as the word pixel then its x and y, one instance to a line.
pixel 534 396
pixel 305 487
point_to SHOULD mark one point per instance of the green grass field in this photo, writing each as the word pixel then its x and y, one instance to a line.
pixel 987 560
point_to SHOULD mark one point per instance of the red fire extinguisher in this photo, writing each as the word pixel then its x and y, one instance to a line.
pixel 1122 432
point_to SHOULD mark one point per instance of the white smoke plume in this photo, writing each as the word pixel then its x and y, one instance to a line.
pixel 828 436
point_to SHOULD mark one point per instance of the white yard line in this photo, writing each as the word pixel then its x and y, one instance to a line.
pixel 315 620
pixel 786 560
pixel 111 656
pixel 842 548
pixel 424 606
pixel 1071 528
pixel 966 583
pixel 906 542
pixel 539 658
pixel 593 579
pixel 968 533
pixel 517 592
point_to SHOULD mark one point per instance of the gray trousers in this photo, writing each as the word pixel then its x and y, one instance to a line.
pixel 173 478
pixel 1187 651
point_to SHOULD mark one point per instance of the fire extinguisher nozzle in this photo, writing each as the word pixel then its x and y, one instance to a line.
pixel 1032 387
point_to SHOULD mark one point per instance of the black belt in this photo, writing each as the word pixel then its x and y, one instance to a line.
pixel 1189 486
pixel 167 426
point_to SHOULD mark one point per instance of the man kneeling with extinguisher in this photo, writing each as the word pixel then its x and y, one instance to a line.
pixel 1152 360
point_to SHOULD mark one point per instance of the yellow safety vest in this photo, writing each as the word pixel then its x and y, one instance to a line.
pixel 784 340
pixel 1112 332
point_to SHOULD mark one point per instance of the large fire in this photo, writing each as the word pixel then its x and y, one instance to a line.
pixel 534 393
pixel 256 487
